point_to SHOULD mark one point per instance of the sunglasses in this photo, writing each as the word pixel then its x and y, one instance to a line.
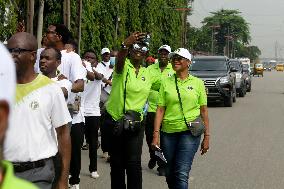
pixel 177 58
pixel 18 51
pixel 140 48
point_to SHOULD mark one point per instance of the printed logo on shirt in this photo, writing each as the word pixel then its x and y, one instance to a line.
pixel 170 74
pixel 34 105
pixel 143 78
pixel 190 88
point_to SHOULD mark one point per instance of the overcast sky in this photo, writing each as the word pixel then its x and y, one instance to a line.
pixel 266 18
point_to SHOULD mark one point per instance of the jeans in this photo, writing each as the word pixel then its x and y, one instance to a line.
pixel 179 150
pixel 125 155
pixel 92 124
pixel 77 139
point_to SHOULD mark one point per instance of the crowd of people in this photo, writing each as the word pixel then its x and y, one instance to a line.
pixel 54 104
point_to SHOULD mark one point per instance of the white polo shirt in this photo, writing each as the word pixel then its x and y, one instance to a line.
pixel 40 108
pixel 92 93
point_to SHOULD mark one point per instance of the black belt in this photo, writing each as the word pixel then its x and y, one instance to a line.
pixel 25 166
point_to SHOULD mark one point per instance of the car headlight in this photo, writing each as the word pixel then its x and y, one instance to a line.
pixel 238 75
pixel 224 80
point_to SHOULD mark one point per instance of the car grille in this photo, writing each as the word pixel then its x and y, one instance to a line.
pixel 209 82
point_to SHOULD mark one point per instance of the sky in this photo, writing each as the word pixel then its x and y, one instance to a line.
pixel 266 19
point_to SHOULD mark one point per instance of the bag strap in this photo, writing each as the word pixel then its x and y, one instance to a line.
pixel 179 98
pixel 124 93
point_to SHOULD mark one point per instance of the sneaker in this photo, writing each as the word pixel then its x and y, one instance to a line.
pixel 108 159
pixel 95 175
pixel 75 186
pixel 85 147
pixel 105 155
pixel 152 163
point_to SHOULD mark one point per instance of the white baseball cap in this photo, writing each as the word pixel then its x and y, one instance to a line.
pixel 7 76
pixel 166 47
pixel 105 50
pixel 181 52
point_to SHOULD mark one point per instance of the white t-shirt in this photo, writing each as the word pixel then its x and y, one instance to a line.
pixel 64 83
pixel 108 72
pixel 92 93
pixel 71 67
pixel 7 76
pixel 40 108
pixel 36 66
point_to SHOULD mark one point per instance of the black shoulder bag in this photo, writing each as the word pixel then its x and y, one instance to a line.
pixel 197 126
pixel 130 121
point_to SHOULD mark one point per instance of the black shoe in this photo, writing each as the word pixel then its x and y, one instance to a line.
pixel 161 171
pixel 152 163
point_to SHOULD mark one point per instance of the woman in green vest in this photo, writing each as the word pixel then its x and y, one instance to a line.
pixel 131 85
pixel 182 106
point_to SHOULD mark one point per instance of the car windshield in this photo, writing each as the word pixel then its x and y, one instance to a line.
pixel 208 65
pixel 236 65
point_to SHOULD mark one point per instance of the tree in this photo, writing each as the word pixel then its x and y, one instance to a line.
pixel 231 25
pixel 40 22
pixel 8 19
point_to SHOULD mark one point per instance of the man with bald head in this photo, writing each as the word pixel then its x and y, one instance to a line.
pixel 38 139
pixel 7 91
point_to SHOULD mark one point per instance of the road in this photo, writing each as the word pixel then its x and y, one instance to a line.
pixel 246 149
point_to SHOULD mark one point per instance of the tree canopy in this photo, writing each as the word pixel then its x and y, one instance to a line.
pixel 105 23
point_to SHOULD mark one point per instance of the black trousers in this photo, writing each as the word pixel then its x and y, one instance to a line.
pixel 77 139
pixel 105 132
pixel 149 129
pixel 125 155
pixel 92 124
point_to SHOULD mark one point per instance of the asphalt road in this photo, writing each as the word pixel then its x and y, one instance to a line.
pixel 246 149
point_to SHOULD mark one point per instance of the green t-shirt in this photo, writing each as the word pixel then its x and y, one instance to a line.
pixel 193 95
pixel 155 71
pixel 12 182
pixel 137 90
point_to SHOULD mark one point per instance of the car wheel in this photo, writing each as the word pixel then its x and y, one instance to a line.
pixel 228 101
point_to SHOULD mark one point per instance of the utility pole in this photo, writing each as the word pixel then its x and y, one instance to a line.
pixel 213 27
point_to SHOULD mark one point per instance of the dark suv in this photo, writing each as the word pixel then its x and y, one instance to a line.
pixel 218 77
pixel 240 79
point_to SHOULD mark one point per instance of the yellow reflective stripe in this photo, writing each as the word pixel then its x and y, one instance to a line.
pixel 23 90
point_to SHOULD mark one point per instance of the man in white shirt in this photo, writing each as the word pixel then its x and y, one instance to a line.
pixel 7 94
pixel 40 110
pixel 50 59
pixel 106 88
pixel 92 113
pixel 71 67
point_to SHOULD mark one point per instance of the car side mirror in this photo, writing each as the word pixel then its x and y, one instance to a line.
pixel 232 69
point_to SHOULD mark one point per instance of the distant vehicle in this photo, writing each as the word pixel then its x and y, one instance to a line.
pixel 247 76
pixel 258 69
pixel 279 67
pixel 246 61
pixel 241 86
pixel 218 77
